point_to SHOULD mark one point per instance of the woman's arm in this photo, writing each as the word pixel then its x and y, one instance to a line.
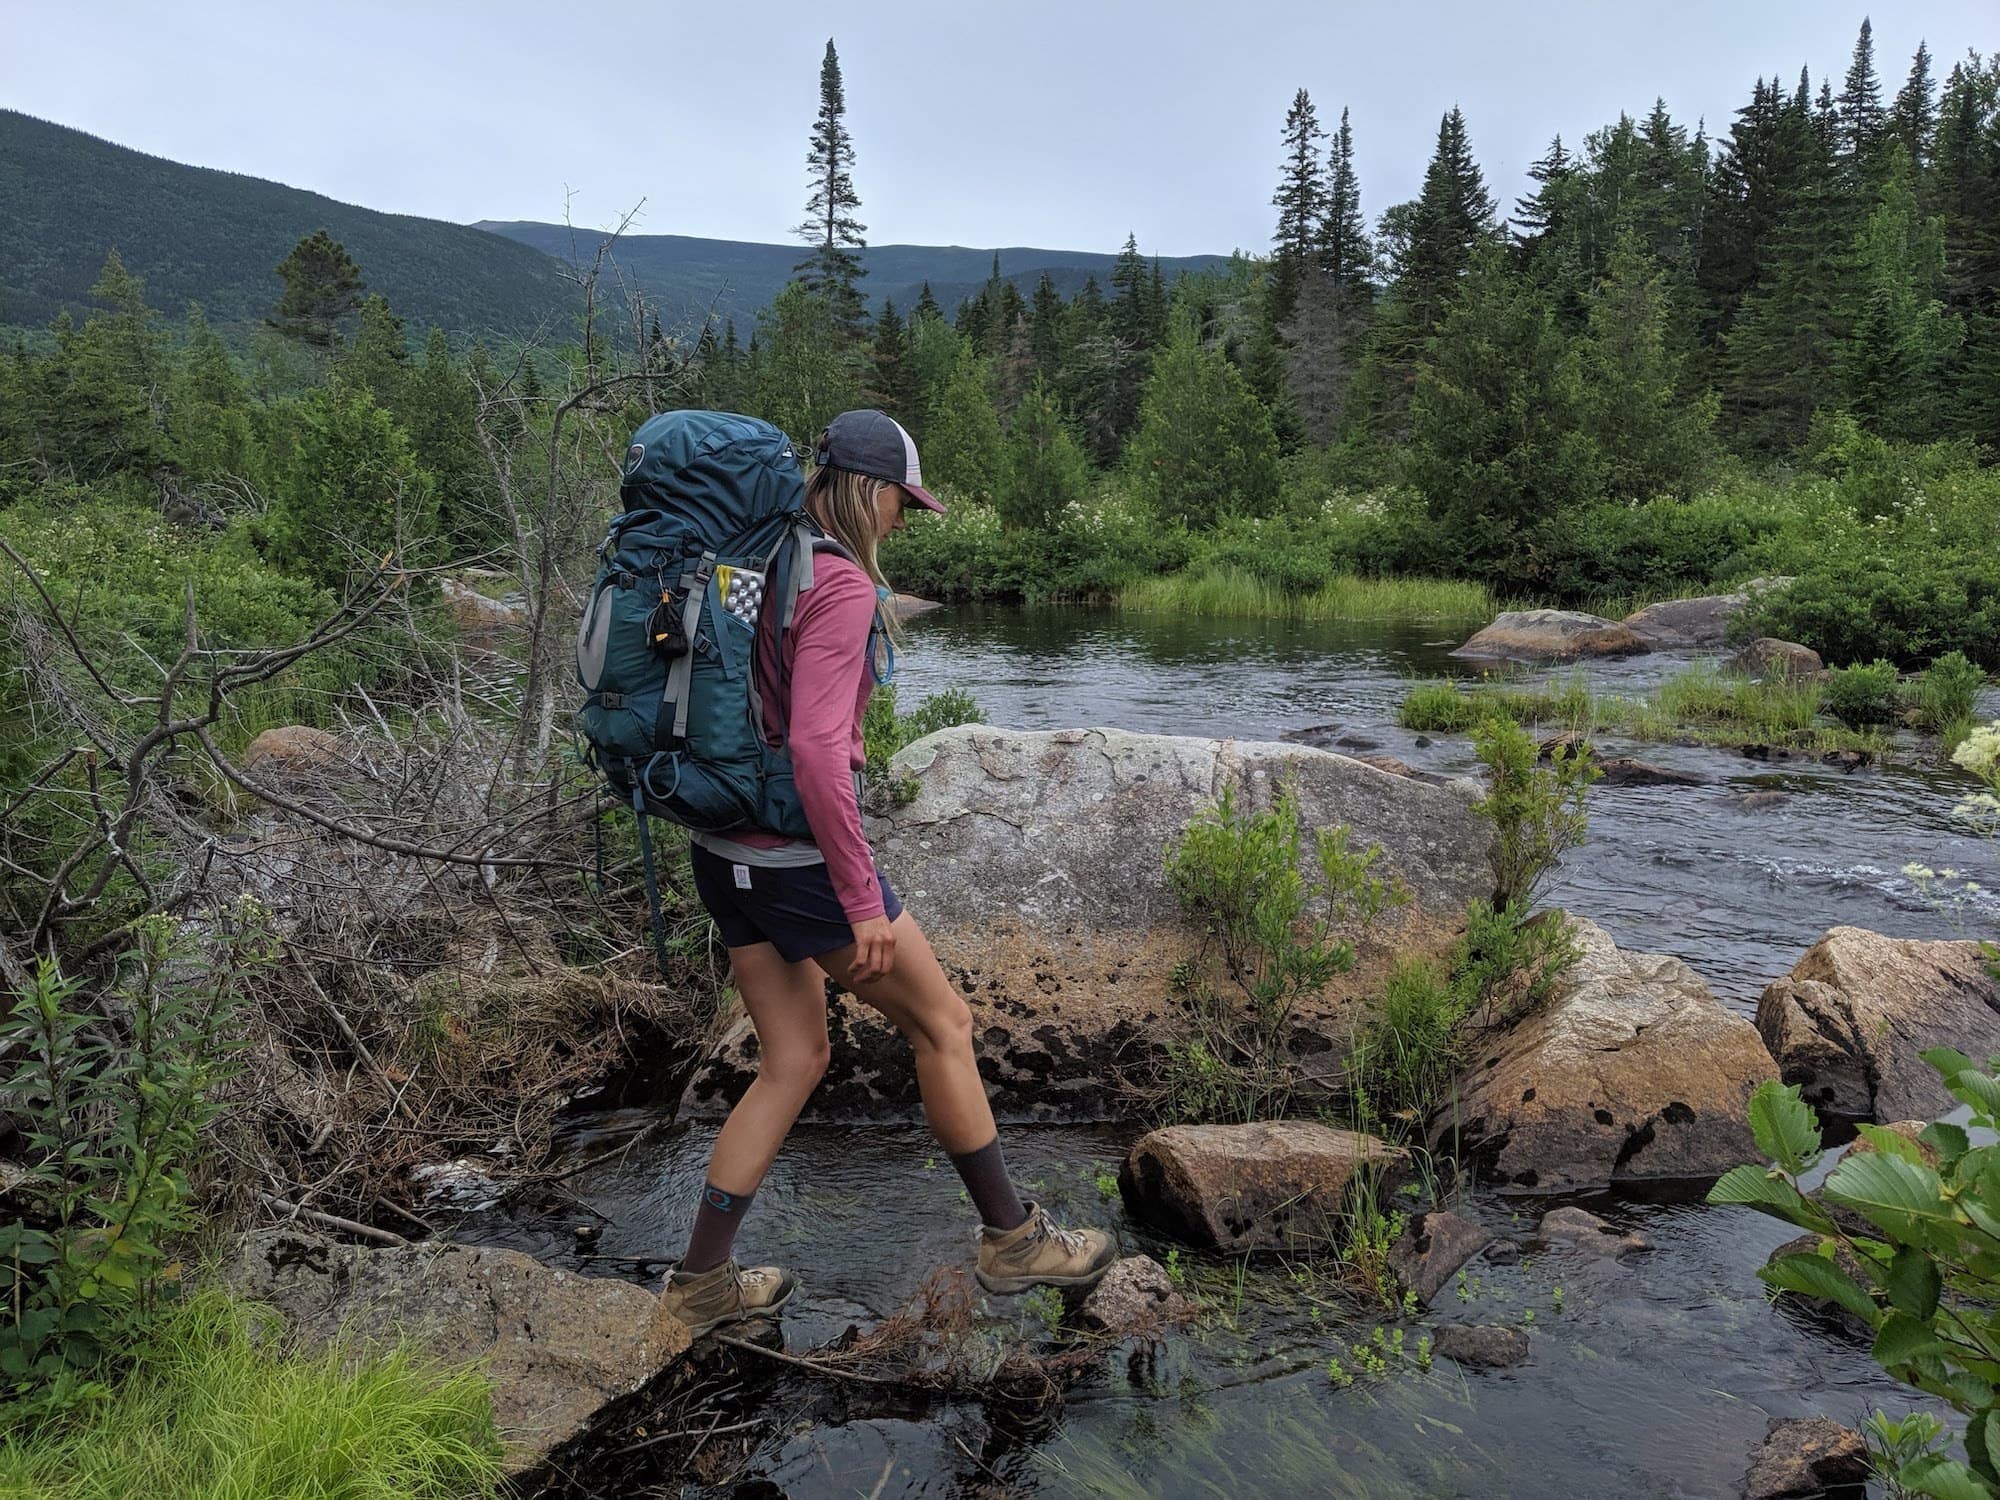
pixel 829 658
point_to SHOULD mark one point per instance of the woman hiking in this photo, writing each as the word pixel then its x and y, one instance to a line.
pixel 793 912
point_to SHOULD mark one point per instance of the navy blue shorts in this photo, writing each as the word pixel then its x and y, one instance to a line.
pixel 794 909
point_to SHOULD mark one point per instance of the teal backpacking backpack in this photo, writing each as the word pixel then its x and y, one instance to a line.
pixel 684 629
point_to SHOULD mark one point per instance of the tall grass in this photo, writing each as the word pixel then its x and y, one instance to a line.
pixel 215 1408
pixel 1236 592
pixel 1700 705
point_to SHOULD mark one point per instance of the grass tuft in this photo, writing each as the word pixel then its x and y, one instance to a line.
pixel 216 1406
pixel 1235 592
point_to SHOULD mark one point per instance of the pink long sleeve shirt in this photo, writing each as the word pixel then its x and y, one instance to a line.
pixel 827 680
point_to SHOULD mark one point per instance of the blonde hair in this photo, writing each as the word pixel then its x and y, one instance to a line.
pixel 843 503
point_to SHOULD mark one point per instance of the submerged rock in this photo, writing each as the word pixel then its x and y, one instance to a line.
pixel 1587 1232
pixel 1633 1070
pixel 1263 1186
pixel 1482 1346
pixel 1135 1298
pixel 1036 862
pixel 1808 1456
pixel 1844 1260
pixel 909 606
pixel 558 1346
pixel 1431 1248
pixel 1850 1021
pixel 1551 635
pixel 1622 770
pixel 1769 657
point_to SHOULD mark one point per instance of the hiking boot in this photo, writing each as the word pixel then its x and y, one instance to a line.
pixel 705 1300
pixel 1037 1253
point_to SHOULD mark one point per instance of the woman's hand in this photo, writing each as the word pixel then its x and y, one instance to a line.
pixel 874 950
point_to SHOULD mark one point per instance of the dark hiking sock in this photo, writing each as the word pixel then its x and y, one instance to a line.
pixel 716 1221
pixel 990 1188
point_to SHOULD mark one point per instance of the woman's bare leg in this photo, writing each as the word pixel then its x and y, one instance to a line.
pixel 918 999
pixel 787 1005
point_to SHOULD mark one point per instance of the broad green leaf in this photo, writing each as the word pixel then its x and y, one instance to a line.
pixel 1941 1478
pixel 1949 1141
pixel 1902 1338
pixel 1970 1086
pixel 1913 1283
pixel 1887 1189
pixel 1815 1276
pixel 1785 1126
pixel 1892 1143
pixel 1761 1188
pixel 1947 1060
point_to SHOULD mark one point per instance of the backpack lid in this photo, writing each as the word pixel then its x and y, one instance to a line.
pixel 717 472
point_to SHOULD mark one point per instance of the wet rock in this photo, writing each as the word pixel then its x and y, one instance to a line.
pixel 1134 1298
pixel 1633 1070
pixel 479 616
pixel 1682 624
pixel 294 752
pixel 558 1346
pixel 909 606
pixel 1585 1231
pixel 1431 1248
pixel 1551 635
pixel 1482 1346
pixel 1271 1185
pixel 1758 801
pixel 1034 862
pixel 1768 657
pixel 1622 770
pixel 1808 1456
pixel 1850 1021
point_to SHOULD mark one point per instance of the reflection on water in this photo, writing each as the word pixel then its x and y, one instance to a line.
pixel 1738 891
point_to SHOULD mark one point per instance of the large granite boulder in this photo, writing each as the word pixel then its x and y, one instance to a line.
pixel 557 1346
pixel 1769 657
pixel 1683 624
pixel 1036 863
pixel 479 616
pixel 1632 1070
pixel 1850 1021
pixel 1272 1185
pixel 293 751
pixel 1430 1250
pixel 1551 635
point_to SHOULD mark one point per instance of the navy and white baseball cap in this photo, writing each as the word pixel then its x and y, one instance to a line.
pixel 874 443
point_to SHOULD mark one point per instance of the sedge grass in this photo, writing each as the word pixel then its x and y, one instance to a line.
pixel 1234 592
pixel 215 1407
pixel 1699 706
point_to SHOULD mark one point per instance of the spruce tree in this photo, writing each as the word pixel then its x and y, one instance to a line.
pixel 1204 448
pixel 1453 218
pixel 1300 201
pixel 1653 442
pixel 322 286
pixel 833 271
pixel 1044 470
pixel 379 357
pixel 892 382
pixel 962 441
pixel 1862 121
pixel 1899 337
pixel 1913 117
pixel 927 306
pixel 1341 238
pixel 1045 329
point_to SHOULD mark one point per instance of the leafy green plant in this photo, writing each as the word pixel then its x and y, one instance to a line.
pixel 1979 753
pixel 1860 695
pixel 1268 938
pixel 1928 1279
pixel 884 731
pixel 1536 814
pixel 113 1125
pixel 1045 1305
pixel 1438 707
pixel 1946 692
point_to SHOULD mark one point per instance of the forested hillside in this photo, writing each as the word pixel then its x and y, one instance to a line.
pixel 197 235
pixel 690 278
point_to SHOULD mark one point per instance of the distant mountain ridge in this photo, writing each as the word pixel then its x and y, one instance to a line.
pixel 196 234
pixel 200 235
pixel 689 277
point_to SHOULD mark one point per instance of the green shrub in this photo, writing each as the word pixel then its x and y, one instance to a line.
pixel 1438 707
pixel 1947 691
pixel 1536 814
pixel 884 731
pixel 113 1127
pixel 1860 695
pixel 217 1405
pixel 1928 1279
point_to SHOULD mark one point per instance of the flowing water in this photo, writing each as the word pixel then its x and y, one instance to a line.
pixel 1656 1376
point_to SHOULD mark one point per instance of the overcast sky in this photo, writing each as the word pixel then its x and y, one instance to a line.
pixel 1060 125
